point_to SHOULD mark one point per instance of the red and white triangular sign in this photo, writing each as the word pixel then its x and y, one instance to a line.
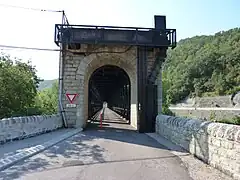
pixel 71 97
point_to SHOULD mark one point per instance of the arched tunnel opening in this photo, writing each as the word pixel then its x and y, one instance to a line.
pixel 109 86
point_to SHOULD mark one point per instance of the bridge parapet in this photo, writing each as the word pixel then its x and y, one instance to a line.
pixel 17 128
pixel 217 144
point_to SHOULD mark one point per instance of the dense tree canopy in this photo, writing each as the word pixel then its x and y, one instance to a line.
pixel 18 86
pixel 18 90
pixel 204 65
pixel 47 99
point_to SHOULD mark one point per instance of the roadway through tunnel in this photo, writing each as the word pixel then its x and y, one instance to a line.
pixel 109 85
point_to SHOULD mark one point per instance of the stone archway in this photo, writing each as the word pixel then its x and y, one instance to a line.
pixel 83 65
pixel 126 61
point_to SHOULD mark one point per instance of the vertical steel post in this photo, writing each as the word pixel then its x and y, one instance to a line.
pixel 142 81
pixel 60 83
pixel 101 119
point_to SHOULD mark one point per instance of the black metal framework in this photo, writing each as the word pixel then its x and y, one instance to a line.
pixel 142 82
pixel 88 34
pixel 109 84
pixel 151 107
pixel 147 94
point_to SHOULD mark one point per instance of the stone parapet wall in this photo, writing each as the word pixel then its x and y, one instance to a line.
pixel 206 113
pixel 17 128
pixel 217 144
pixel 218 101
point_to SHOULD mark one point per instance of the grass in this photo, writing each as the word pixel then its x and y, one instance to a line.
pixel 235 120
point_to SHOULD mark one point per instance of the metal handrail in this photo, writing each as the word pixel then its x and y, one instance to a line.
pixel 109 27
pixel 170 33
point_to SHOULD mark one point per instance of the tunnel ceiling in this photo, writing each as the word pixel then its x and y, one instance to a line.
pixel 107 80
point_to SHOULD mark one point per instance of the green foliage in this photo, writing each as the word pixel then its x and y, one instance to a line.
pixel 167 111
pixel 18 90
pixel 18 86
pixel 47 100
pixel 235 120
pixel 212 116
pixel 204 65
pixel 165 101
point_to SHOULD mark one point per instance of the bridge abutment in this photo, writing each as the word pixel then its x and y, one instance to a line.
pixel 138 51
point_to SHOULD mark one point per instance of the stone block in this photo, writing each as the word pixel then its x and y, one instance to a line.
pixel 70 72
pixel 231 133
pixel 214 143
pixel 227 144
pixel 237 147
pixel 66 66
pixel 22 127
pixel 236 176
pixel 70 77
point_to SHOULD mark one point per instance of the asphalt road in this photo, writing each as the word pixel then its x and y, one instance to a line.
pixel 115 152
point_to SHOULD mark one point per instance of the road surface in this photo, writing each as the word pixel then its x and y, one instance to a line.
pixel 115 152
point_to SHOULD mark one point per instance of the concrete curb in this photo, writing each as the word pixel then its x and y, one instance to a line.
pixel 11 160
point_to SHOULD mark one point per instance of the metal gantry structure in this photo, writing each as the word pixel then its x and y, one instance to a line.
pixel 156 40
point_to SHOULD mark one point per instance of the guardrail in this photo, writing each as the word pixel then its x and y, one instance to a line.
pixel 122 111
pixel 205 109
pixel 102 116
pixel 89 34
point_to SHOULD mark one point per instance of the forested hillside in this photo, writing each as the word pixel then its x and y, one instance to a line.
pixel 203 65
pixel 45 84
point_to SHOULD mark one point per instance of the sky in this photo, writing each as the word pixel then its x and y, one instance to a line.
pixel 21 27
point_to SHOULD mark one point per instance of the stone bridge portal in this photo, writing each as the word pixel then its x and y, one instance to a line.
pixel 117 65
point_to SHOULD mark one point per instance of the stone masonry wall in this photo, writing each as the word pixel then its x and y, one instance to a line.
pixel 17 128
pixel 78 68
pixel 221 101
pixel 201 113
pixel 217 144
pixel 81 63
pixel 205 107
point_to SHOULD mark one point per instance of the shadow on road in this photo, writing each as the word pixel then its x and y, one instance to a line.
pixel 120 131
pixel 75 147
pixel 81 149
pixel 122 134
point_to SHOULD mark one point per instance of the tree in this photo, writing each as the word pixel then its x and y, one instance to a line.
pixel 165 98
pixel 18 86
pixel 47 100
pixel 204 65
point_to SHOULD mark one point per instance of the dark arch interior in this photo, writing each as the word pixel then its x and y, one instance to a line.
pixel 109 84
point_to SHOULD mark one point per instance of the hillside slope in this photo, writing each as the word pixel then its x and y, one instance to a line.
pixel 203 65
pixel 46 84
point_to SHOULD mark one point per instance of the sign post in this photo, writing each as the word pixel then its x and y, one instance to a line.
pixel 71 98
pixel 101 114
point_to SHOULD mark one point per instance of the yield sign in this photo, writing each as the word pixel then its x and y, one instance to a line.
pixel 71 97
